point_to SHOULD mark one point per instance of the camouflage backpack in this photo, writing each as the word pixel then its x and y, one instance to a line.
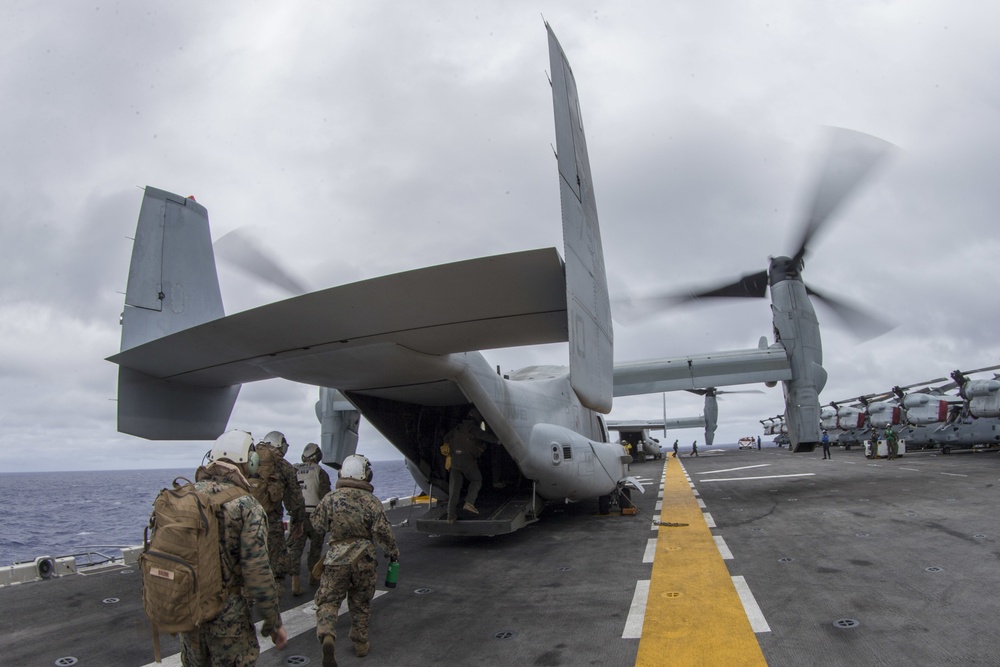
pixel 181 563
pixel 268 486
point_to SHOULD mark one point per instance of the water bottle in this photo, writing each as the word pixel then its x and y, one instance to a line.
pixel 392 574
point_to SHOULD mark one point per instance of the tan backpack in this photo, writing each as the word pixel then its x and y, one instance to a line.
pixel 181 563
pixel 268 486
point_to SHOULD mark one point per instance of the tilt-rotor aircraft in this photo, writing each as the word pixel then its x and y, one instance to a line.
pixel 402 351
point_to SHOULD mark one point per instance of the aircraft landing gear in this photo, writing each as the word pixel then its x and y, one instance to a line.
pixel 604 505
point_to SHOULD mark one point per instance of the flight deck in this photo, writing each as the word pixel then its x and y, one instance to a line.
pixel 738 558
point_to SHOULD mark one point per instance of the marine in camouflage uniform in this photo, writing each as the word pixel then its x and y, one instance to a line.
pixel 291 498
pixel 315 484
pixel 355 523
pixel 229 639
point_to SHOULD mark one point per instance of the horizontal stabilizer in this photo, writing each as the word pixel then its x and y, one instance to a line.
pixel 161 410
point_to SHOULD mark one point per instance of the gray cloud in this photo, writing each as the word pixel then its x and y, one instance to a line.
pixel 366 138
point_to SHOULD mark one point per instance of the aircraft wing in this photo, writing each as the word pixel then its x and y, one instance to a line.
pixel 715 369
pixel 657 424
pixel 323 338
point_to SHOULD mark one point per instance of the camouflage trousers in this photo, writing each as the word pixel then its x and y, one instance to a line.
pixel 296 545
pixel 277 551
pixel 356 581
pixel 228 640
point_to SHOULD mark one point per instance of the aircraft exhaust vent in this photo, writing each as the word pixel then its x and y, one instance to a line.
pixel 567 452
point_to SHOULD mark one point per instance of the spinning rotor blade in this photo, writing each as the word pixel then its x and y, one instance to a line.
pixel 851 156
pixel 864 325
pixel 753 285
pixel 240 251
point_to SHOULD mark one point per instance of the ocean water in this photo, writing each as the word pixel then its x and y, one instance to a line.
pixel 69 513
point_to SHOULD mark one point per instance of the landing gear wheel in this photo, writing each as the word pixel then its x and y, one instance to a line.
pixel 604 505
pixel 625 499
pixel 946 450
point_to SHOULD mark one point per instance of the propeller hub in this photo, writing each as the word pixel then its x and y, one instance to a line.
pixel 784 268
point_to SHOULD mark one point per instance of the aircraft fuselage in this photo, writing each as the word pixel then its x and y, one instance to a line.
pixel 556 444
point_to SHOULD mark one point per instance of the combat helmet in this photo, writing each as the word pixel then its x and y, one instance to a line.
pixel 356 467
pixel 312 453
pixel 236 447
pixel 277 440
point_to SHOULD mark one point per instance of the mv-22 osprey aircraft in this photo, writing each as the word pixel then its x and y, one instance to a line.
pixel 402 350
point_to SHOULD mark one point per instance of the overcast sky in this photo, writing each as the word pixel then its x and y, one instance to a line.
pixel 365 138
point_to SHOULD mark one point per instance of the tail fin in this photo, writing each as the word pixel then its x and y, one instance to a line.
pixel 172 285
pixel 172 282
pixel 591 339
pixel 338 426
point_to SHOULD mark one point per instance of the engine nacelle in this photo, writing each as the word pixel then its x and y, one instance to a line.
pixel 980 388
pixel 924 409
pixel 985 406
pixel 884 414
pixel 828 417
pixel 848 418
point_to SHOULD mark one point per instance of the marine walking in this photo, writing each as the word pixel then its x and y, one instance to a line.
pixel 355 523
pixel 228 638
pixel 276 485
pixel 315 484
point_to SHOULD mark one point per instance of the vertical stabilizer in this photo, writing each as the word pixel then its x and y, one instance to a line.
pixel 591 346
pixel 172 282
pixel 338 426
pixel 172 285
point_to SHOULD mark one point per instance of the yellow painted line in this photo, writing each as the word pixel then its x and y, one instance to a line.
pixel 694 615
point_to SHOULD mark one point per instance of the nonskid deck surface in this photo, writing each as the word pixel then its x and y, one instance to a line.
pixel 849 561
pixel 559 591
pixel 862 562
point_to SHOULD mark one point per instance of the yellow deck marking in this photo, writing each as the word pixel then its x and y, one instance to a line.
pixel 694 615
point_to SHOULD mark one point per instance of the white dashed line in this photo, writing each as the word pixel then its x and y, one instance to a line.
pixel 723 548
pixel 647 557
pixel 753 612
pixel 637 612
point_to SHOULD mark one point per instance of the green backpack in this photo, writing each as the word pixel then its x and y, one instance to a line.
pixel 181 563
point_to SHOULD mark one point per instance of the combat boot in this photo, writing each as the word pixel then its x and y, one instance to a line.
pixel 329 658
pixel 361 645
pixel 296 585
